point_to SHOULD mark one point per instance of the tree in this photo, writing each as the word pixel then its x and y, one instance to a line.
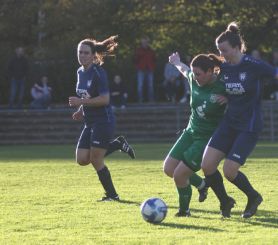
pixel 50 31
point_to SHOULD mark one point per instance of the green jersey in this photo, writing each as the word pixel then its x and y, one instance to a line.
pixel 206 112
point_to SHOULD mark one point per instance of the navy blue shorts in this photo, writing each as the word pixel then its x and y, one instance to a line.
pixel 237 145
pixel 97 135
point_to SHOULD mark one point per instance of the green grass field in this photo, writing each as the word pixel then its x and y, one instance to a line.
pixel 48 199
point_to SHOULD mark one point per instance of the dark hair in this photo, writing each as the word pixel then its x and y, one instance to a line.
pixel 206 62
pixel 233 36
pixel 101 49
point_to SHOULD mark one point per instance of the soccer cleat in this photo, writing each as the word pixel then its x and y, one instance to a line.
pixel 203 194
pixel 109 199
pixel 226 207
pixel 125 147
pixel 252 206
pixel 181 213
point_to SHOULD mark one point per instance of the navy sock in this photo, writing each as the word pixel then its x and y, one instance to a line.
pixel 242 183
pixel 113 146
pixel 215 181
pixel 106 181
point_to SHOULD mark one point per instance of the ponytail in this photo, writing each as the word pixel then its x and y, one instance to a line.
pixel 233 27
pixel 217 60
pixel 108 45
pixel 101 49
pixel 233 36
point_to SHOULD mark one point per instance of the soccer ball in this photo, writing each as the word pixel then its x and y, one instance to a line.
pixel 153 210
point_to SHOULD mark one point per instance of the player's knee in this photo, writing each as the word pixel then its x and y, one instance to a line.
pixel 168 170
pixel 97 162
pixel 229 173
pixel 205 167
pixel 228 176
pixel 83 161
pixel 177 176
pixel 96 159
pixel 180 178
pixel 208 168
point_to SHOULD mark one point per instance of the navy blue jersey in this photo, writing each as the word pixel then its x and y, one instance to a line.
pixel 244 91
pixel 90 84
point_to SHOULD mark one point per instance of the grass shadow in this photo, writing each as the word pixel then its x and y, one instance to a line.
pixel 195 210
pixel 193 227
pixel 129 202
pixel 263 218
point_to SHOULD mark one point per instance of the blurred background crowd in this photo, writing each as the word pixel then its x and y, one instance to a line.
pixel 39 39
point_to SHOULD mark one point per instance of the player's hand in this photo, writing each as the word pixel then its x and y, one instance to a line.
pixel 78 115
pixel 75 101
pixel 174 58
pixel 221 99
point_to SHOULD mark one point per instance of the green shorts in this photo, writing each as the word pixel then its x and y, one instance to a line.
pixel 189 150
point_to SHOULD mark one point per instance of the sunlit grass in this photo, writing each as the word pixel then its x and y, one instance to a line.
pixel 47 199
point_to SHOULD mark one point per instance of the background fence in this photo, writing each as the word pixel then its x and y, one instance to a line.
pixel 149 123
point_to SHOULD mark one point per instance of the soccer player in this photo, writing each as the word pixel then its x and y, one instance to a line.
pixel 207 104
pixel 93 105
pixel 237 135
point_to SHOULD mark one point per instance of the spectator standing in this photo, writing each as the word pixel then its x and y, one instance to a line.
pixel 118 93
pixel 18 70
pixel 274 62
pixel 173 83
pixel 41 94
pixel 256 54
pixel 267 84
pixel 274 58
pixel 145 65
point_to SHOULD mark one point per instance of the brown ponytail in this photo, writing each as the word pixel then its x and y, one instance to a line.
pixel 233 27
pixel 217 60
pixel 233 36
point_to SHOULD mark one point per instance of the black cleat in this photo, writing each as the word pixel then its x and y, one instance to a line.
pixel 203 194
pixel 125 147
pixel 181 213
pixel 252 206
pixel 226 207
pixel 109 199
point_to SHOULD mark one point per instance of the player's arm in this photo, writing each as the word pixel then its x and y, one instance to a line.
pixel 174 59
pixel 78 115
pixel 101 100
pixel 266 70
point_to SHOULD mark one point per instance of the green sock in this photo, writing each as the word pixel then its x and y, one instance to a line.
pixel 185 194
pixel 196 180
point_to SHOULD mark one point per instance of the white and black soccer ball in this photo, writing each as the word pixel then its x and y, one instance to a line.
pixel 153 210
